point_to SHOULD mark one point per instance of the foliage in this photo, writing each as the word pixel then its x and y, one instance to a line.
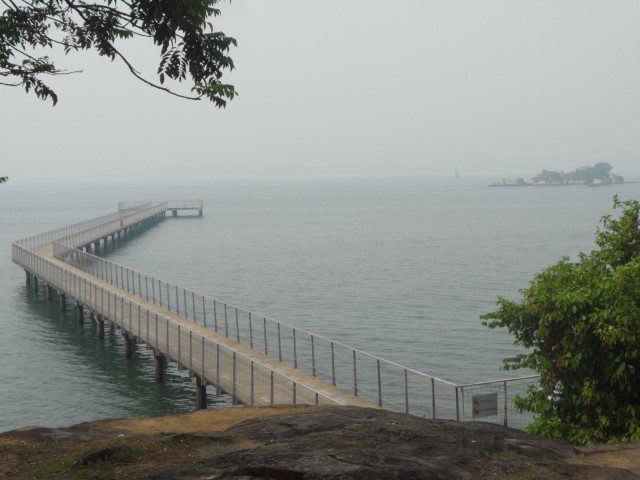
pixel 600 170
pixel 580 322
pixel 181 29
pixel 549 176
pixel 4 179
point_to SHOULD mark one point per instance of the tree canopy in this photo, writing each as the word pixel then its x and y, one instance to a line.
pixel 580 322
pixel 181 29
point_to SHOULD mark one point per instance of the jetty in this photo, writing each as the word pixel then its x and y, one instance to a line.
pixel 257 361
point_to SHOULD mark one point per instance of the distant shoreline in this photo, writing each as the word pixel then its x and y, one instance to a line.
pixel 513 185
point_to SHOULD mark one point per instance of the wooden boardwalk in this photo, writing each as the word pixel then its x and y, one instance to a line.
pixel 248 376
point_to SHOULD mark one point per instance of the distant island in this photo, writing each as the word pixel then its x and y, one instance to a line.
pixel 597 175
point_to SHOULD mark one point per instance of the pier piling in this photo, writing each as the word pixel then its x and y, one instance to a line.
pixel 160 362
pixel 100 326
pixel 201 392
pixel 63 302
pixel 128 345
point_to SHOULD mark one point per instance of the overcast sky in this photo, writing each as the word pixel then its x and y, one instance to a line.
pixel 344 88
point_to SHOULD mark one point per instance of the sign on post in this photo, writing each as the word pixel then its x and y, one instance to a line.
pixel 485 405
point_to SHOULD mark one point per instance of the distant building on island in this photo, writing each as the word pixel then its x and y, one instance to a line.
pixel 597 175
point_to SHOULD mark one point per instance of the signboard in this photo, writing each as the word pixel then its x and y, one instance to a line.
pixel 485 405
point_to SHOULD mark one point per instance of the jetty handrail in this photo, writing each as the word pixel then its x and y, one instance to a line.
pixel 500 380
pixel 82 265
pixel 385 383
pixel 44 239
pixel 82 237
pixel 388 384
pixel 76 284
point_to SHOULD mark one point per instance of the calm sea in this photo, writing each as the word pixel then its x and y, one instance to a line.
pixel 399 268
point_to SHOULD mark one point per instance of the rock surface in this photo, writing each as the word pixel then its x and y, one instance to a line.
pixel 291 443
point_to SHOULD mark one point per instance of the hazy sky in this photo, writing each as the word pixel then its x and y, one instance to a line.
pixel 356 88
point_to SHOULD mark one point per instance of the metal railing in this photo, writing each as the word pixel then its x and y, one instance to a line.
pixel 246 380
pixel 42 240
pixel 387 384
pixel 384 383
pixel 129 218
pixel 186 204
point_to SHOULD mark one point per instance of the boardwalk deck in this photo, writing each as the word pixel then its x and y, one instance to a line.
pixel 247 375
pixel 256 360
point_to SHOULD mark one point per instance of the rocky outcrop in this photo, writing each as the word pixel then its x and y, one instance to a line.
pixel 296 443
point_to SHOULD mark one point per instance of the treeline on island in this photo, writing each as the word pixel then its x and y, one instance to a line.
pixel 598 174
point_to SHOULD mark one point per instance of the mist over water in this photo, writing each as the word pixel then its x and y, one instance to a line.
pixel 398 268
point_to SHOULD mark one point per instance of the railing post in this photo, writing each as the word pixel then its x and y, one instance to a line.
pixel 237 327
pixel 215 316
pixel 379 384
pixel 266 347
pixel 272 395
pixel 313 357
pixel 204 312
pixel 217 369
pixel 294 393
pixel 333 365
pixel 233 375
pixel 202 356
pixel 295 350
pixel 462 399
pixel 433 398
pixel 355 375
pixel 226 322
pixel 179 346
pixel 506 405
pixel 193 301
pixel 406 391
pixel 457 406
pixel 190 351
pixel 279 344
pixel 252 403
pixel 250 331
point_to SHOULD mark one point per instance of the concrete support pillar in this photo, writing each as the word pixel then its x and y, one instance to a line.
pixel 63 302
pixel 28 277
pixel 128 345
pixel 35 283
pixel 100 326
pixel 175 213
pixel 160 362
pixel 79 313
pixel 47 291
pixel 201 392
pixel 200 212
